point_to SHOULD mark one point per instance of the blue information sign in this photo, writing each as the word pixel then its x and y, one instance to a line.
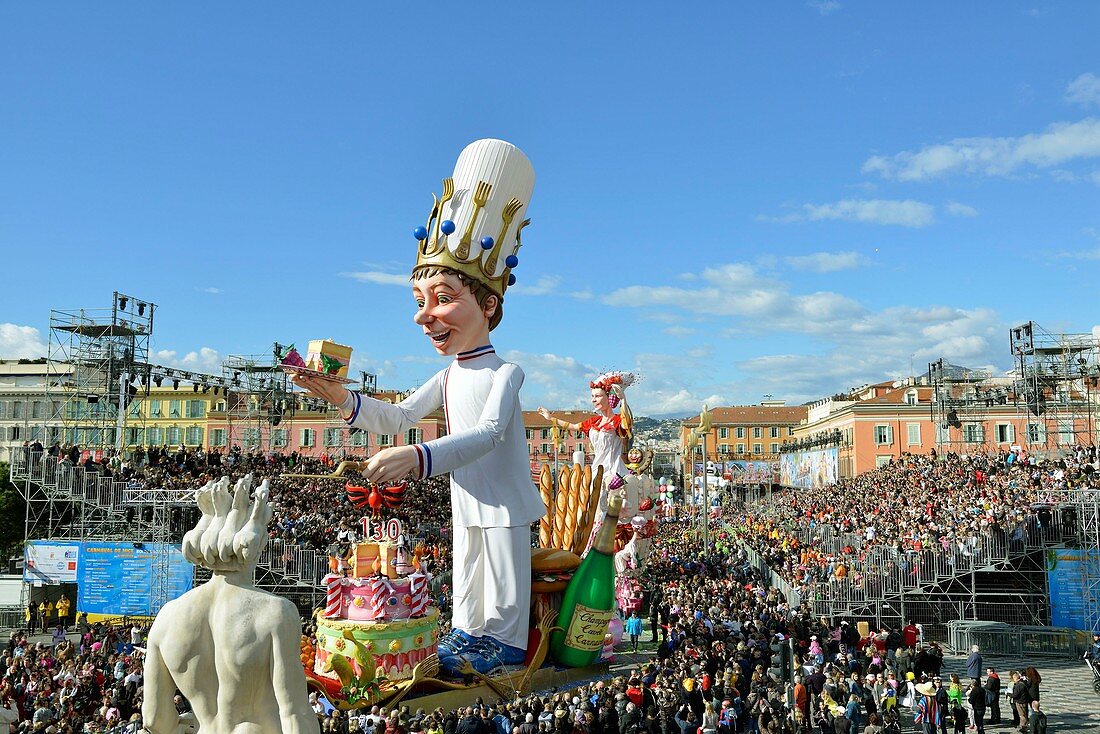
pixel 117 578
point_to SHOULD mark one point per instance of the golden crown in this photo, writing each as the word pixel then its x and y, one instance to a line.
pixel 475 225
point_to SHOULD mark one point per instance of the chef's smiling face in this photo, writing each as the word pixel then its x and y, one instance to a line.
pixel 449 314
pixel 600 403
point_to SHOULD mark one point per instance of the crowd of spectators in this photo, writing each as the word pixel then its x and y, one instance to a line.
pixel 918 509
pixel 732 657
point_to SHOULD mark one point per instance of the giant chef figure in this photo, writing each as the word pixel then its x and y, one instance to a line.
pixel 464 262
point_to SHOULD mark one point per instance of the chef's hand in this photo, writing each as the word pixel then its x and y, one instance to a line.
pixel 392 464
pixel 319 387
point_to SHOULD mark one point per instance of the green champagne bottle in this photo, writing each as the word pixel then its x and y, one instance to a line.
pixel 589 601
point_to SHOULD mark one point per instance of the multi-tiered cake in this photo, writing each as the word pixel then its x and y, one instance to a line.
pixel 385 604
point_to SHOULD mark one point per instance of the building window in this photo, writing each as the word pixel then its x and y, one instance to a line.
pixel 530 434
pixel 154 409
pixel 308 437
pixel 384 440
pixel 217 436
pixel 884 435
pixel 911 397
pixel 757 432
pixel 912 434
pixel 175 435
pixel 723 432
pixel 193 436
pixel 278 437
pixel 195 409
pixel 943 434
pixel 135 409
pixel 723 448
pixel 544 433
pixel 17 409
pixel 882 460
pixel 359 439
pixel 15 433
pixel 37 409
pixel 973 433
pixel 3 408
pixel 174 409
pixel 740 448
pixel 544 448
pixel 775 431
pixel 774 448
pixel 331 437
pixel 1006 433
pixel 153 436
pixel 758 448
pixel 740 432
pixel 1065 432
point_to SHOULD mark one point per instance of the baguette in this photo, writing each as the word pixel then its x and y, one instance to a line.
pixel 561 503
pixel 583 498
pixel 546 489
pixel 593 505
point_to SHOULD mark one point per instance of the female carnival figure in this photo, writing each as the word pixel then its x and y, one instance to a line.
pixel 609 433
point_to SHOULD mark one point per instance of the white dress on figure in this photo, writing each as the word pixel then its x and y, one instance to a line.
pixel 493 499
pixel 606 438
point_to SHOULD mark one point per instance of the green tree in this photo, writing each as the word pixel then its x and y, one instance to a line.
pixel 12 513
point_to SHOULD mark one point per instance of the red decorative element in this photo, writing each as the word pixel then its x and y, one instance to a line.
pixel 394 495
pixel 646 504
pixel 606 383
pixel 358 496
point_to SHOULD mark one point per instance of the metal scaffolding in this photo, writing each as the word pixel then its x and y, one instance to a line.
pixel 960 404
pixel 98 358
pixel 1056 383
pixel 261 398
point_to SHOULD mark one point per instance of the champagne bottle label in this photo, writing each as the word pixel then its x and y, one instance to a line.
pixel 587 628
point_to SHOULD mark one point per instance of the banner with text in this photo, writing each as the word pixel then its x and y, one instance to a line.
pixel 117 578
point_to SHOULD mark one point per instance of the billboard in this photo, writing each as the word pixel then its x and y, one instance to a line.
pixel 806 469
pixel 1067 579
pixel 749 472
pixel 117 578
pixel 50 562
pixel 112 578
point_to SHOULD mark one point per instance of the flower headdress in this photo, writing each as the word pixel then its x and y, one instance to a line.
pixel 607 379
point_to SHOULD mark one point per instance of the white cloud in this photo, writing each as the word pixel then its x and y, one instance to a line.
pixel 21 342
pixel 956 209
pixel 825 7
pixel 1060 143
pixel 1084 90
pixel 904 213
pixel 210 289
pixel 583 295
pixel 544 286
pixel 379 278
pixel 679 331
pixel 826 262
pixel 206 360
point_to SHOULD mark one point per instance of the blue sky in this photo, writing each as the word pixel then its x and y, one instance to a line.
pixel 732 199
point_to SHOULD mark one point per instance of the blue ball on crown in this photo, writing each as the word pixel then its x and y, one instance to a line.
pixel 511 261
pixel 420 233
pixel 486 242
pixel 447 226
pixel 511 279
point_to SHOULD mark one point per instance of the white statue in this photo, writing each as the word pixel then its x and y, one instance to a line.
pixel 231 649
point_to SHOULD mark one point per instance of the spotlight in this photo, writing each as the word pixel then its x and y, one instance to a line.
pixel 205 389
pixel 175 384
pixel 158 380
pixel 141 308
pixel 195 387
pixel 122 303
pixel 93 399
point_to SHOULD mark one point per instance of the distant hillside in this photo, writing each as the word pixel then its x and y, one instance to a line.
pixel 657 430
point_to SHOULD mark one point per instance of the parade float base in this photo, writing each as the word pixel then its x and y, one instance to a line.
pixel 431 693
